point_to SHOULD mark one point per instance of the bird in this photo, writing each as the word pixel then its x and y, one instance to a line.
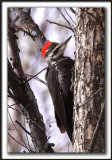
pixel 59 81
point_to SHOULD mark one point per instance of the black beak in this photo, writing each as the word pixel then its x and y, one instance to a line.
pixel 65 42
pixel 60 45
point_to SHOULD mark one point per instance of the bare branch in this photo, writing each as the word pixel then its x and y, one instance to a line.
pixel 68 15
pixel 19 142
pixel 22 127
pixel 40 80
pixel 42 70
pixel 30 26
pixel 73 11
pixel 64 17
pixel 15 50
pixel 60 25
pixel 14 109
pixel 17 129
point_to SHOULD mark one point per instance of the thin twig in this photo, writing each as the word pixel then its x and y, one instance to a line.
pixel 17 141
pixel 64 17
pixel 13 104
pixel 73 11
pixel 36 75
pixel 22 127
pixel 68 15
pixel 43 70
pixel 17 130
pixel 91 97
pixel 60 25
pixel 95 133
pixel 68 9
pixel 40 80
pixel 14 109
pixel 50 133
pixel 9 129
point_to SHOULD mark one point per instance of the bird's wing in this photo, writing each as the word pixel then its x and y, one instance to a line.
pixel 52 77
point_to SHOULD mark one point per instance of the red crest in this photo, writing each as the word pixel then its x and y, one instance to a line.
pixel 45 47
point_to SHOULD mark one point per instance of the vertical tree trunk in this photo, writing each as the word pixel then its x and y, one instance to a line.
pixel 89 81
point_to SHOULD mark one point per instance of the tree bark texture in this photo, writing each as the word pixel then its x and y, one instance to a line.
pixel 88 134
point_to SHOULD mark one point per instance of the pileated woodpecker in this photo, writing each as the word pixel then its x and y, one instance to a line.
pixel 58 77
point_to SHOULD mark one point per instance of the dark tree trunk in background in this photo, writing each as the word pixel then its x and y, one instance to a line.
pixel 18 84
pixel 88 135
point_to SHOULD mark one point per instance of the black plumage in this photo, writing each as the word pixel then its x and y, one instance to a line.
pixel 58 78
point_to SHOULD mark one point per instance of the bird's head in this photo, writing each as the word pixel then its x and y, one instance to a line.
pixel 52 51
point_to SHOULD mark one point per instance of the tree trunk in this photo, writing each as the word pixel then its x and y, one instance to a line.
pixel 88 134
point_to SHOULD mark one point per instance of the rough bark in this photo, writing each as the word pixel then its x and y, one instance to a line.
pixel 88 135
